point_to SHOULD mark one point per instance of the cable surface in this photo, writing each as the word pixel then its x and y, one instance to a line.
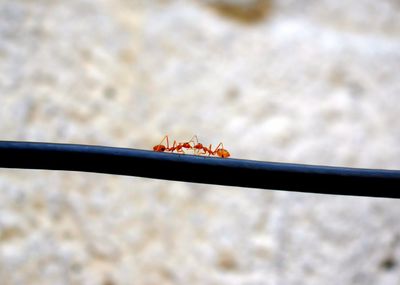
pixel 201 169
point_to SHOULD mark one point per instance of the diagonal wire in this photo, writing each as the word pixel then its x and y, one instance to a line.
pixel 200 169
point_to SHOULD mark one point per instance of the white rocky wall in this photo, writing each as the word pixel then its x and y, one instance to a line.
pixel 299 81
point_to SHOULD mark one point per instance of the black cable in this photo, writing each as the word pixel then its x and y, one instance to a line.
pixel 201 169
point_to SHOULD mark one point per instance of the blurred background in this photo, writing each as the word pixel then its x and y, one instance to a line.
pixel 313 82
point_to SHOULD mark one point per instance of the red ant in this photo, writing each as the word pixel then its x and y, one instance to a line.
pixel 178 147
pixel 219 150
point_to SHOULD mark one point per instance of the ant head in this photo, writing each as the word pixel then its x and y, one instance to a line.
pixel 223 153
pixel 186 145
pixel 198 146
pixel 159 148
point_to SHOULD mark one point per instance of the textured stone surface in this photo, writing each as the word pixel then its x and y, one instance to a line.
pixel 310 82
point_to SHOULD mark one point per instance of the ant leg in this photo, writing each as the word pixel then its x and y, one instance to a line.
pixel 204 149
pixel 178 148
pixel 209 150
pixel 171 149
pixel 196 151
pixel 193 140
pixel 220 146
pixel 165 138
